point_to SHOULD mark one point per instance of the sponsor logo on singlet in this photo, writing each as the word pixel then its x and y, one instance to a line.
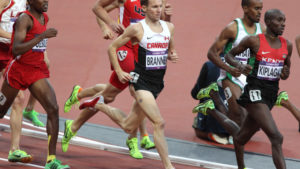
pixel 269 69
pixel 156 60
pixel 122 54
pixel 41 46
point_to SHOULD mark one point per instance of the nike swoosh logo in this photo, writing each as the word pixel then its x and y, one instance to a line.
pixel 149 38
pixel 264 52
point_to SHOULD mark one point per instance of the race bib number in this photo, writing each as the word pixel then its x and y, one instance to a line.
pixel 244 56
pixel 135 77
pixel 269 71
pixel 156 60
pixel 122 54
pixel 255 95
pixel 41 46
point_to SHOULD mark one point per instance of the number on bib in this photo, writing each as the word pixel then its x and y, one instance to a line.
pixel 135 77
pixel 255 95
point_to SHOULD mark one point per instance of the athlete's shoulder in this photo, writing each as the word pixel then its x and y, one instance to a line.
pixel 231 27
pixel 289 44
pixel 3 4
pixel 170 25
pixel 24 18
pixel 134 28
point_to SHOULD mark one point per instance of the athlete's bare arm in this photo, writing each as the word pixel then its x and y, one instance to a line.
pixel 106 31
pixel 285 72
pixel 133 33
pixel 167 11
pixel 99 10
pixel 298 44
pixel 227 35
pixel 172 55
pixel 251 42
pixel 3 33
pixel 24 23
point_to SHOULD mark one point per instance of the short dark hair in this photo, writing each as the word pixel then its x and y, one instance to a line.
pixel 144 2
pixel 270 14
pixel 246 2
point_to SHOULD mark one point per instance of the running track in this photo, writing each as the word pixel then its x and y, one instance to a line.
pixel 78 56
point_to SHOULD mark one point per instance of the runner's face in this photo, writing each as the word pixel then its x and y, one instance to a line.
pixel 40 5
pixel 277 24
pixel 153 10
pixel 254 10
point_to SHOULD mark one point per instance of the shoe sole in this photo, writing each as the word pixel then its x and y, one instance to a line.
pixel 23 160
pixel 148 148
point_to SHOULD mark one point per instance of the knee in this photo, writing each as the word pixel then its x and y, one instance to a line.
pixel 52 110
pixel 159 124
pixel 239 140
pixel 20 99
pixel 276 139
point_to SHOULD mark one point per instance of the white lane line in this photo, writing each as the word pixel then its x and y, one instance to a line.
pixel 23 164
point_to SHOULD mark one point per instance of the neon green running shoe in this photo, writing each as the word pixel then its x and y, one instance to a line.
pixel 282 95
pixel 202 107
pixel 68 134
pixel 204 93
pixel 73 99
pixel 19 156
pixel 134 151
pixel 56 164
pixel 146 143
pixel 33 117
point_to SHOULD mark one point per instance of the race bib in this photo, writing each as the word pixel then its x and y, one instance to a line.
pixel 269 71
pixel 135 77
pixel 41 46
pixel 255 95
pixel 156 60
pixel 243 57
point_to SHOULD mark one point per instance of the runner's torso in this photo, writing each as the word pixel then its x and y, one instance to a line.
pixel 131 13
pixel 152 54
pixel 241 34
pixel 268 63
pixel 35 56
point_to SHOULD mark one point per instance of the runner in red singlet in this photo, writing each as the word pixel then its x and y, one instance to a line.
pixel 29 70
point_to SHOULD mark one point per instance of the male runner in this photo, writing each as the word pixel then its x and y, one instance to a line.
pixel 229 38
pixel 130 13
pixel 156 45
pixel 29 70
pixel 8 11
pixel 269 62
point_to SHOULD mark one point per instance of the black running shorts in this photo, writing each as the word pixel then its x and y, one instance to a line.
pixel 259 91
pixel 141 82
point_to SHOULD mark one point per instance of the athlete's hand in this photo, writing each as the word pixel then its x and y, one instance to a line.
pixel 123 76
pixel 168 10
pixel 245 69
pixel 117 28
pixel 50 33
pixel 107 33
pixel 172 56
pixel 235 72
pixel 285 72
